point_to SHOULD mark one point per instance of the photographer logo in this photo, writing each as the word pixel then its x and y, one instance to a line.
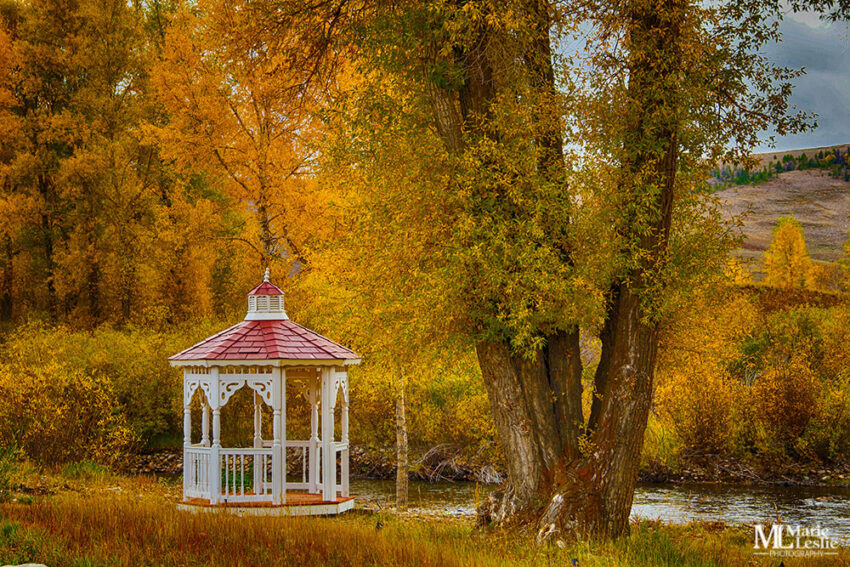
pixel 782 540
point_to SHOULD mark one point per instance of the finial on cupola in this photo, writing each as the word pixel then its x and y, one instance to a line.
pixel 267 275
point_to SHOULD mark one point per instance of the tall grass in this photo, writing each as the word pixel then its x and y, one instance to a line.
pixel 128 530
pixel 137 529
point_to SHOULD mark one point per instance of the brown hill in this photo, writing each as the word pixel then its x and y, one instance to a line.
pixel 820 202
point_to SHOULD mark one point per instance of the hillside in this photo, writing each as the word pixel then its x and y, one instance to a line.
pixel 771 157
pixel 820 202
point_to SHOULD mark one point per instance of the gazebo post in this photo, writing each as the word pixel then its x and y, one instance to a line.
pixel 345 455
pixel 328 449
pixel 187 432
pixel 313 396
pixel 215 465
pixel 282 377
pixel 205 424
pixel 258 442
pixel 277 457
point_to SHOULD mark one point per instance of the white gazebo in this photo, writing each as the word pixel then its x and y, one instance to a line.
pixel 264 352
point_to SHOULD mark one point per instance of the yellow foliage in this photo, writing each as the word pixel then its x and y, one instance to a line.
pixel 783 400
pixel 247 116
pixel 699 405
pixel 736 379
pixel 826 276
pixel 56 416
pixel 737 273
pixel 446 402
pixel 828 435
pixel 125 371
pixel 787 261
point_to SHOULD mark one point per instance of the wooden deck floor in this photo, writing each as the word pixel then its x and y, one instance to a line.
pixel 292 499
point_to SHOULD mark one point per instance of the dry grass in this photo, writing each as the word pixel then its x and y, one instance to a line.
pixel 129 531
pixel 109 520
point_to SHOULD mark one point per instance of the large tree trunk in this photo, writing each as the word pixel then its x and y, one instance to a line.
pixel 568 477
pixel 592 495
pixel 536 407
pixel 562 487
pixel 402 463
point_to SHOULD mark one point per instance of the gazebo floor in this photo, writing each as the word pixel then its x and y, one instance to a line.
pixel 297 504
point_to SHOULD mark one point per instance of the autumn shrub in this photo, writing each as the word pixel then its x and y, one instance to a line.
pixel 56 416
pixel 452 407
pixel 446 405
pixel 130 364
pixel 795 362
pixel 8 456
pixel 699 404
pixel 372 395
pixel 827 436
pixel 826 277
pixel 661 445
pixel 750 378
pixel 836 344
pixel 784 399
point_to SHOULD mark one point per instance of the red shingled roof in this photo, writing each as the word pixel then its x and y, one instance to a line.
pixel 266 288
pixel 266 340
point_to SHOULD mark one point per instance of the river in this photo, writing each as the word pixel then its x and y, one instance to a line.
pixel 828 507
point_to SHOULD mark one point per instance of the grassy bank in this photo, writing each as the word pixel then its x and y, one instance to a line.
pixel 92 518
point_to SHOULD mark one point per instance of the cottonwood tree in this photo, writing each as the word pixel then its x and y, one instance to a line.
pixel 72 157
pixel 242 84
pixel 453 147
pixel 94 226
pixel 40 89
pixel 14 210
pixel 830 10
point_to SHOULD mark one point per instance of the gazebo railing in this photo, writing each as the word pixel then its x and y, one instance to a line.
pixel 342 449
pixel 246 474
pixel 196 470
pixel 305 456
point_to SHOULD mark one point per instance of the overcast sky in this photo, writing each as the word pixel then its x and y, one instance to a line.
pixel 824 50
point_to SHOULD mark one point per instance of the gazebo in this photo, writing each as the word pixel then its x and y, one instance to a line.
pixel 264 352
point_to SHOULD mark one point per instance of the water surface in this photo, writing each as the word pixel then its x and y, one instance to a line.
pixel 828 507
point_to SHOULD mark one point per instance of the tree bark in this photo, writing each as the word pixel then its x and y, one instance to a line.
pixel 402 463
pixel 128 277
pixel 592 495
pixel 536 407
pixel 93 291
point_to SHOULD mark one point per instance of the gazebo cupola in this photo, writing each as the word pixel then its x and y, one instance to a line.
pixel 261 353
pixel 265 302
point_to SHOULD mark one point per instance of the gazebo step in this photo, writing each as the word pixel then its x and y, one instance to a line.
pixel 296 505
